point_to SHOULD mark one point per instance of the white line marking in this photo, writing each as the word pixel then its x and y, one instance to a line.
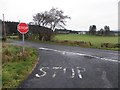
pixel 38 76
pixel 54 75
pixel 79 71
pixel 56 68
pixel 64 70
pixel 79 74
pixel 73 73
pixel 64 53
pixel 80 54
pixel 44 73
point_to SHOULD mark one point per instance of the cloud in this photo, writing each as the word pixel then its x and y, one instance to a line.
pixel 83 13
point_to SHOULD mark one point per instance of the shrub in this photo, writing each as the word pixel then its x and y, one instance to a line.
pixel 108 45
pixel 117 45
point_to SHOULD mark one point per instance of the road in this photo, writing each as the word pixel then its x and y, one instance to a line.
pixel 72 67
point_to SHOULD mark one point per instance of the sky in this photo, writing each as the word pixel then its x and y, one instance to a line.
pixel 83 13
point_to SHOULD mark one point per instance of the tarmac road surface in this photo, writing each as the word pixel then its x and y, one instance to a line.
pixel 72 67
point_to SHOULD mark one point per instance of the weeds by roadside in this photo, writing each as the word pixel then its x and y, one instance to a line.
pixel 16 65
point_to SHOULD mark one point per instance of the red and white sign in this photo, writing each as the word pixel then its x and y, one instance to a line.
pixel 23 28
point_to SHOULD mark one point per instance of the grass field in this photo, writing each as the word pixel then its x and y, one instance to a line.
pixel 92 41
pixel 16 65
pixel 96 40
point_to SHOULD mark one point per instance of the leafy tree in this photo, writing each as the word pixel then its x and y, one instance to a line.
pixel 92 29
pixel 107 30
pixel 101 31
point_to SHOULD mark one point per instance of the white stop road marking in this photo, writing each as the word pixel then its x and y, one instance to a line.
pixel 79 71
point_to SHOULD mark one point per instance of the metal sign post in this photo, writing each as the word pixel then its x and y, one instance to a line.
pixel 23 29
pixel 23 42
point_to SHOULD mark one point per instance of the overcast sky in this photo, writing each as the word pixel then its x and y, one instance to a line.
pixel 83 13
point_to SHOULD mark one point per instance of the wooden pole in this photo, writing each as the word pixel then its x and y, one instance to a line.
pixel 4 30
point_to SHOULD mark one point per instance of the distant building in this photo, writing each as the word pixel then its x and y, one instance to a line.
pixel 81 32
pixel 116 33
pixel 62 31
pixel 73 32
pixel 65 31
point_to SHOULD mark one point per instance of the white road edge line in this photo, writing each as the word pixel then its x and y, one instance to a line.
pixel 74 53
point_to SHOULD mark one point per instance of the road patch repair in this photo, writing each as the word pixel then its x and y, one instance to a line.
pixel 80 54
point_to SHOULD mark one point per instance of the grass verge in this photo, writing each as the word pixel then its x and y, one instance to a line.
pixel 72 43
pixel 86 41
pixel 90 41
pixel 16 65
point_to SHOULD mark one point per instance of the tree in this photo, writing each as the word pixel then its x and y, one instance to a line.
pixel 52 19
pixel 58 18
pixel 92 30
pixel 107 30
pixel 101 31
pixel 39 19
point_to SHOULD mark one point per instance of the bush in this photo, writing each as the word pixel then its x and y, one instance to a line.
pixel 117 45
pixel 4 38
pixel 76 43
pixel 108 45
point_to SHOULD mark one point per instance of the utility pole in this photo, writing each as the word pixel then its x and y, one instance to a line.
pixel 119 17
pixel 4 29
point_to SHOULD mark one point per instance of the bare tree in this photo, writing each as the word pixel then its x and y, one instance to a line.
pixel 39 19
pixel 58 19
pixel 52 19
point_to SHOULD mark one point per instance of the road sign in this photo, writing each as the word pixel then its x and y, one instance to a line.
pixel 23 28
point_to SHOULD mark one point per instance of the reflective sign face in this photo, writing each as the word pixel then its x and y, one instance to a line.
pixel 22 28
